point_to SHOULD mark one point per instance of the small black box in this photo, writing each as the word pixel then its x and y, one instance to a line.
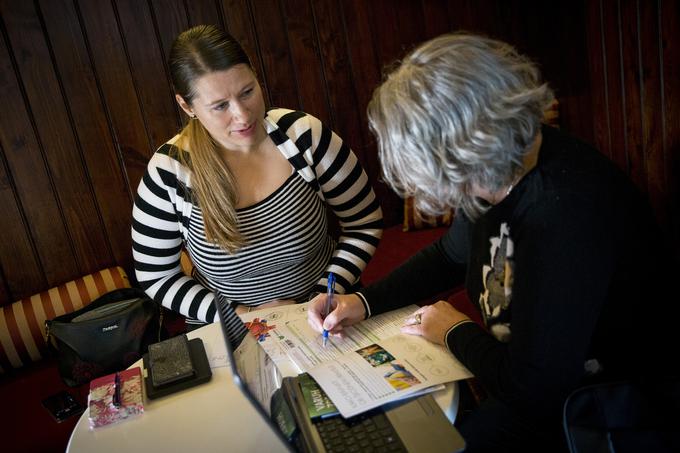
pixel 201 372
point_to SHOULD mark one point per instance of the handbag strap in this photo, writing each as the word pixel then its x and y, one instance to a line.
pixel 107 298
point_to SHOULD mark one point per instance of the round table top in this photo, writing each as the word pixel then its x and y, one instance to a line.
pixel 208 417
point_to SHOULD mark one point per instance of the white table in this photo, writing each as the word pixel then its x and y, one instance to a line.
pixel 214 416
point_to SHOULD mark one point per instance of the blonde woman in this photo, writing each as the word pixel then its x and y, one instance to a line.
pixel 245 191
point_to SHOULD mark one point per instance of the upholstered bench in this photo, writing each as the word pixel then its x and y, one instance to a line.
pixel 28 372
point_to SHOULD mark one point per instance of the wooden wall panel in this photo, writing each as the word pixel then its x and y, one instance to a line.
pixel 52 125
pixel 669 42
pixel 112 68
pixel 651 108
pixel 203 12
pixel 21 271
pixel 90 125
pixel 238 21
pixel 277 66
pixel 306 58
pixel 630 51
pixel 598 81
pixel 338 73
pixel 34 190
pixel 87 98
pixel 148 71
pixel 610 18
pixel 436 17
pixel 170 20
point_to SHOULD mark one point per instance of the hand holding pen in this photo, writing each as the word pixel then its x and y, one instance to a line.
pixel 329 300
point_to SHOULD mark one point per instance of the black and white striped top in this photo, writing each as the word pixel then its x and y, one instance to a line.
pixel 289 251
pixel 288 248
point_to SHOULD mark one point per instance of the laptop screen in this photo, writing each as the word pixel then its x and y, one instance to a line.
pixel 418 423
pixel 258 379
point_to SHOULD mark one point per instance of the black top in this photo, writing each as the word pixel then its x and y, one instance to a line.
pixel 568 273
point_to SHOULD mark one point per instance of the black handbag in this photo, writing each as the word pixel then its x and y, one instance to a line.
pixel 106 336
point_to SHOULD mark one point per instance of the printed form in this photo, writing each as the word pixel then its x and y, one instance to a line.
pixel 385 371
pixel 373 364
pixel 286 336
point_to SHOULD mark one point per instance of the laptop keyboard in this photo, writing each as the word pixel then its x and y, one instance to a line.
pixel 369 432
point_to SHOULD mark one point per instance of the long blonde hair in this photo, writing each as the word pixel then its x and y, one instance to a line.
pixel 213 186
pixel 198 51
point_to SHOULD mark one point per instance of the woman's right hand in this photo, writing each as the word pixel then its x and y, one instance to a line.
pixel 346 309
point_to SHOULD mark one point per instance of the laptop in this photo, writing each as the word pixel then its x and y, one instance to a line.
pixel 417 424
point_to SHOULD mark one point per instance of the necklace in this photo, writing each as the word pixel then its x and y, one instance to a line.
pixel 513 184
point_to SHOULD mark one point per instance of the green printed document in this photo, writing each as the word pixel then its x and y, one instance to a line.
pixel 318 403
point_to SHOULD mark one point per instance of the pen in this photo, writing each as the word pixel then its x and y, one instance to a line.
pixel 329 299
pixel 116 390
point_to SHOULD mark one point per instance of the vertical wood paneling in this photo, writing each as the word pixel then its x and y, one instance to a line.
pixel 650 88
pixel 146 63
pixel 436 18
pixel 307 63
pixel 21 272
pixel 610 20
pixel 27 168
pixel 276 62
pixel 90 124
pixel 669 41
pixel 237 19
pixel 630 49
pixel 338 73
pixel 170 19
pixel 112 69
pixel 366 70
pixel 87 98
pixel 385 31
pixel 203 12
pixel 52 123
pixel 598 78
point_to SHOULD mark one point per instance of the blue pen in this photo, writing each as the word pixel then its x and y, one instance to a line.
pixel 329 299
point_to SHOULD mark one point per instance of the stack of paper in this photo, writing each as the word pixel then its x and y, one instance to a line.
pixel 372 365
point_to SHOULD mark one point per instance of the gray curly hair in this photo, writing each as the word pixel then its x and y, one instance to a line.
pixel 460 110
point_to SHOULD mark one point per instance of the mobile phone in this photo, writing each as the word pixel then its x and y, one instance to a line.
pixel 62 405
pixel 170 361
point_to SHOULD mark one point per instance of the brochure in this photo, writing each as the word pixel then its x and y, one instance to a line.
pixel 385 371
pixel 372 365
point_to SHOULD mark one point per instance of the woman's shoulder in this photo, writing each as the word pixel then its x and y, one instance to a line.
pixel 175 149
pixel 291 121
pixel 170 157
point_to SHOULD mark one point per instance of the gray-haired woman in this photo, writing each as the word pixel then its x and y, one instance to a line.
pixel 554 244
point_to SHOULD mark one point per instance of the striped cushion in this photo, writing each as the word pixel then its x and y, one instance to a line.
pixel 22 324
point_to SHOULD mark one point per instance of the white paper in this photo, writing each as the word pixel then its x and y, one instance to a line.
pixel 356 381
pixel 213 341
pixel 305 346
pixel 295 347
pixel 268 323
pixel 385 371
